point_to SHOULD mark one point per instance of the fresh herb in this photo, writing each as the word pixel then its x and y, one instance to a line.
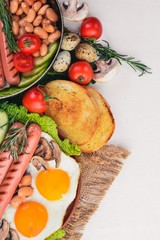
pixel 5 18
pixel 57 235
pixel 15 142
pixel 106 52
pixel 47 124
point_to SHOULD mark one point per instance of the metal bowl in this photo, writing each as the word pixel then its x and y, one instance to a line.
pixel 4 94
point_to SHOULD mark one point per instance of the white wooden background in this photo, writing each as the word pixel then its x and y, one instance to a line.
pixel 131 208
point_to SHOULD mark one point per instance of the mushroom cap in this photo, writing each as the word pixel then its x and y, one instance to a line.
pixel 106 70
pixel 73 12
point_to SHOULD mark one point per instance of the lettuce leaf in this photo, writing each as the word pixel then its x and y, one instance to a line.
pixel 56 235
pixel 47 124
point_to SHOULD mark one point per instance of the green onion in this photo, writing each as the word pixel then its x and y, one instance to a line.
pixel 5 18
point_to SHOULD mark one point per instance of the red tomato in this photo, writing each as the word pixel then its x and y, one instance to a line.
pixel 80 72
pixel 23 62
pixel 29 43
pixel 34 100
pixel 91 27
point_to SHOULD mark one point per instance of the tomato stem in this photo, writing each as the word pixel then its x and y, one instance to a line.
pixel 45 95
pixel 80 79
pixel 28 43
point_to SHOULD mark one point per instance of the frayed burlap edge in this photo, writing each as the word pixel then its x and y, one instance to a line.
pixel 99 170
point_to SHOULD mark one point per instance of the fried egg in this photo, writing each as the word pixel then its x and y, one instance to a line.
pixel 53 191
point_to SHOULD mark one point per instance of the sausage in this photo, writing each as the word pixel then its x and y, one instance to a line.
pixel 2 80
pixel 6 159
pixel 17 169
pixel 5 162
pixel 10 72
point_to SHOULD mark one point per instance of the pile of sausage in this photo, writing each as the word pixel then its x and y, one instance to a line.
pixel 30 16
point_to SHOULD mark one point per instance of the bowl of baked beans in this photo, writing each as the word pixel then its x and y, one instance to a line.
pixel 37 27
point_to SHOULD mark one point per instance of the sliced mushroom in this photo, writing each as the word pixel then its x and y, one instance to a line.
pixel 13 234
pixel 39 162
pixel 4 229
pixel 44 150
pixel 56 153
pixel 105 68
pixel 73 11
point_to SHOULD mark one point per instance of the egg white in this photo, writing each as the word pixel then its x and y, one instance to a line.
pixel 56 209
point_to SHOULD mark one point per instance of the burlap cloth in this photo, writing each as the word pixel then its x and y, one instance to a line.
pixel 98 171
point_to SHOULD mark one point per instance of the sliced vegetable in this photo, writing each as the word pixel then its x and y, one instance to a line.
pixel 80 72
pixel 26 81
pixel 91 27
pixel 23 62
pixel 35 70
pixel 29 43
pixel 51 51
pixel 3 125
pixel 34 100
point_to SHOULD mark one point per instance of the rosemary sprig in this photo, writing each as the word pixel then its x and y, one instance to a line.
pixel 105 53
pixel 5 18
pixel 15 142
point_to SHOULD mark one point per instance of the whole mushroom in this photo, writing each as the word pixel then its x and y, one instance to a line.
pixel 107 69
pixel 73 11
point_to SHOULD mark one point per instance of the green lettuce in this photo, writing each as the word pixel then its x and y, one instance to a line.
pixel 56 235
pixel 47 124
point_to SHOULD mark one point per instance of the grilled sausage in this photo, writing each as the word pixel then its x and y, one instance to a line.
pixel 2 80
pixel 10 72
pixel 6 159
pixel 17 169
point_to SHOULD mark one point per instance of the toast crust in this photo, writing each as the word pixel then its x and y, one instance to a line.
pixel 106 125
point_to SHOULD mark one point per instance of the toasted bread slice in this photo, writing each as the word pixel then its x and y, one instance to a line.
pixel 75 112
pixel 106 124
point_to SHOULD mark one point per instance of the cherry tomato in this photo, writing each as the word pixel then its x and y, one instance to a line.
pixel 23 62
pixel 34 100
pixel 29 43
pixel 80 72
pixel 91 27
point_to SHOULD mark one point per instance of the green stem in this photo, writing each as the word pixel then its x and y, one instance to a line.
pixel 105 53
pixel 5 18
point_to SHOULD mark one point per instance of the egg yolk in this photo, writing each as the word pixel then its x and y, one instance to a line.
pixel 52 183
pixel 30 218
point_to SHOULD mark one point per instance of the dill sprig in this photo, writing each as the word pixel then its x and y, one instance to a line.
pixel 15 142
pixel 5 17
pixel 105 53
